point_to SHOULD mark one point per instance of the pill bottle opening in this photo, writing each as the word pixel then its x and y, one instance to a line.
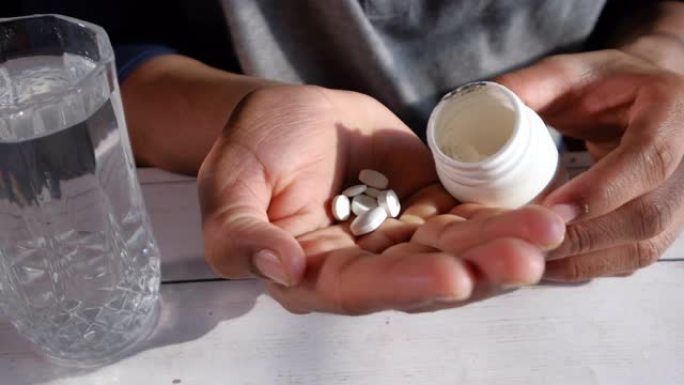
pixel 475 122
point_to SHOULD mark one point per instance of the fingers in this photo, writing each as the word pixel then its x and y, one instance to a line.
pixel 482 290
pixel 507 262
pixel 627 206
pixel 410 277
pixel 354 281
pixel 582 95
pixel 506 248
pixel 343 278
pixel 619 243
pixel 639 220
pixel 392 232
pixel 426 203
pixel 620 260
pixel 649 153
pixel 454 234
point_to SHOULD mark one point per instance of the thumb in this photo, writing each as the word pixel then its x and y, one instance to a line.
pixel 239 239
pixel 241 242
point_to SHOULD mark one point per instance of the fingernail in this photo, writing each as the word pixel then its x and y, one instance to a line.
pixel 556 235
pixel 270 266
pixel 552 247
pixel 567 211
pixel 412 219
pixel 548 249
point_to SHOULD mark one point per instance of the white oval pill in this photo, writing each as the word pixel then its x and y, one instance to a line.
pixel 355 190
pixel 340 207
pixel 373 179
pixel 389 201
pixel 369 221
pixel 362 203
pixel 372 192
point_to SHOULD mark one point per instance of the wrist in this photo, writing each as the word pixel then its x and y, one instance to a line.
pixel 176 106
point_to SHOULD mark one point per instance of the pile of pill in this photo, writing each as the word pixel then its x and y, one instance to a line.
pixel 370 201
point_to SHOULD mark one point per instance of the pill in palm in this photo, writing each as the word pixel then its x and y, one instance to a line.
pixel 389 201
pixel 369 201
pixel 372 192
pixel 368 221
pixel 341 207
pixel 362 203
pixel 373 178
pixel 355 190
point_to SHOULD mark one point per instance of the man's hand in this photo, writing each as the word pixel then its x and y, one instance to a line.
pixel 265 191
pixel 629 207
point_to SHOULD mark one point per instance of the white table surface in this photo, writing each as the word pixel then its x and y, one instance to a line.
pixel 610 331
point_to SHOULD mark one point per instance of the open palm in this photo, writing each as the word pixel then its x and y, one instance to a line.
pixel 265 190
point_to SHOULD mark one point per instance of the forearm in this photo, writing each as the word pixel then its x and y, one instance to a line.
pixel 661 41
pixel 176 106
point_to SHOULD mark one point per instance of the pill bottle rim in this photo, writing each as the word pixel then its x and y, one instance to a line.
pixel 494 159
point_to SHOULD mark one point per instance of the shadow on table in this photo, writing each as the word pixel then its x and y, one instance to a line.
pixel 187 313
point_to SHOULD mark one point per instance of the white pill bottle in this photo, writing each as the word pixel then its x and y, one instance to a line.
pixel 489 147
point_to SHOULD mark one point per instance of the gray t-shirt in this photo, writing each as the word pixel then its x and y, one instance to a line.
pixel 406 53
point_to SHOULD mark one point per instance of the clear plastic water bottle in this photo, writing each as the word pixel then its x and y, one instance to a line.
pixel 79 266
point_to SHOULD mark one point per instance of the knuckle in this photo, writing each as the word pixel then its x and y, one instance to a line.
pixel 652 218
pixel 658 160
pixel 573 271
pixel 668 237
pixel 448 235
pixel 579 239
pixel 646 253
pixel 577 272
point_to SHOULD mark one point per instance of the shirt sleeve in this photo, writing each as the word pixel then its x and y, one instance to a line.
pixel 131 56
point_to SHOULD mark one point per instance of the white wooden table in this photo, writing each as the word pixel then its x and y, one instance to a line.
pixel 610 331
